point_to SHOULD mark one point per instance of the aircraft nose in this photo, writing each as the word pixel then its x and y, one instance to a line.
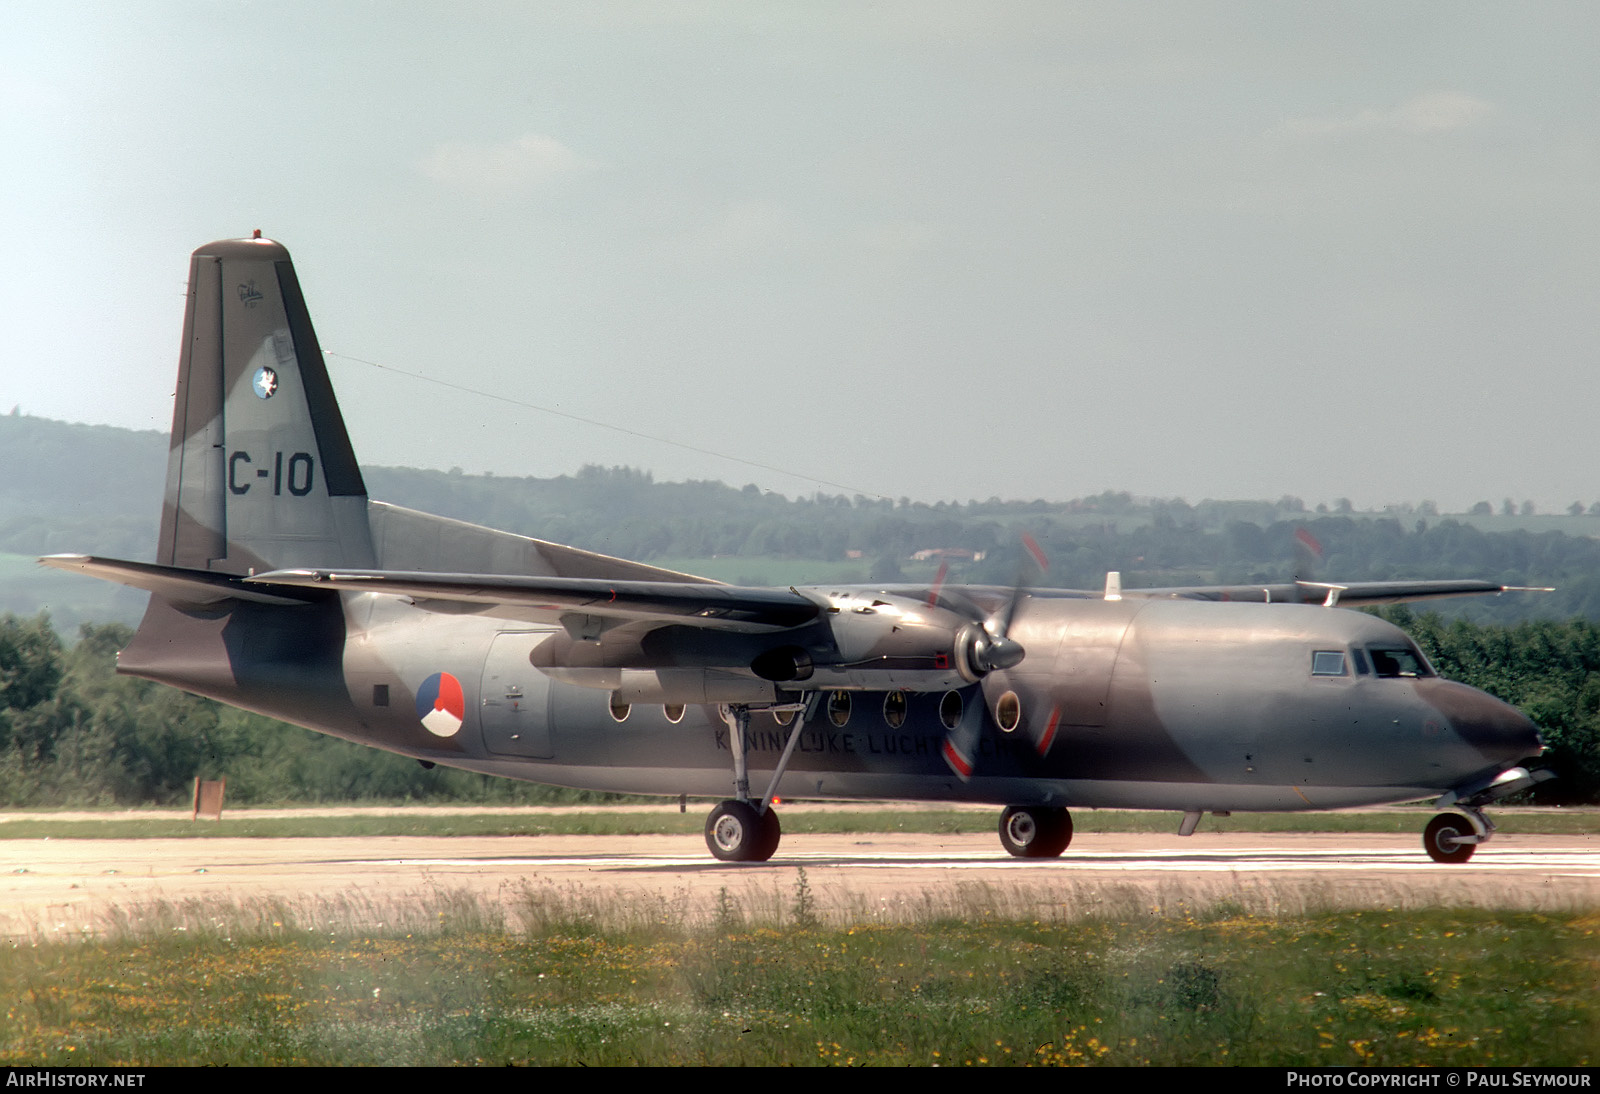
pixel 1497 729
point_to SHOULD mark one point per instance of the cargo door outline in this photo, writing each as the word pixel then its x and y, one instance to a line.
pixel 515 714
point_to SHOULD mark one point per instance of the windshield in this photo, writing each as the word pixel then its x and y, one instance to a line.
pixel 1398 661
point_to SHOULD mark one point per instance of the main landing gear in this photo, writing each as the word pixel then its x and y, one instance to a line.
pixel 737 832
pixel 745 829
pixel 1035 831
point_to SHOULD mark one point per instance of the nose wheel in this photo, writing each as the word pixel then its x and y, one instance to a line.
pixel 1451 837
pixel 1035 831
pixel 737 832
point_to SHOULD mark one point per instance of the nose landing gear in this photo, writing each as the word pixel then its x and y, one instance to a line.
pixel 1452 837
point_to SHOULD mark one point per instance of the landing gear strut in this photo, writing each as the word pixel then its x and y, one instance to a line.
pixel 1035 831
pixel 745 829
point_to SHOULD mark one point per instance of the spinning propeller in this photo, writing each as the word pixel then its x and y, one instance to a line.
pixel 982 645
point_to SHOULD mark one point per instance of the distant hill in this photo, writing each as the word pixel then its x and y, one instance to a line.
pixel 98 489
pixel 71 487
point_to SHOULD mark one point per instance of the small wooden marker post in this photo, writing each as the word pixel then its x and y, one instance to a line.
pixel 208 798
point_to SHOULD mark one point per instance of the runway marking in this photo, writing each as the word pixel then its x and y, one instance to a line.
pixel 1573 864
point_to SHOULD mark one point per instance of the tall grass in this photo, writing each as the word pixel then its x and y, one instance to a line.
pixel 782 971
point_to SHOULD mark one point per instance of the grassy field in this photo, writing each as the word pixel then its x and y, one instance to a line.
pixel 654 981
pixel 621 820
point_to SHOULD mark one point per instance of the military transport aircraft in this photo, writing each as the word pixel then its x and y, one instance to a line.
pixel 280 588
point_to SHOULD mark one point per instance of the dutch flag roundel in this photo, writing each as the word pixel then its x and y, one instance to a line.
pixel 441 705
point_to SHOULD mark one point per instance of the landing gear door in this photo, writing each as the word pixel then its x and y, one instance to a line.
pixel 516 698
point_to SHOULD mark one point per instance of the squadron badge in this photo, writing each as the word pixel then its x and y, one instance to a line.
pixel 265 383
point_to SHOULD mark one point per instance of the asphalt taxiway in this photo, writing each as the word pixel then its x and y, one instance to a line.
pixel 63 887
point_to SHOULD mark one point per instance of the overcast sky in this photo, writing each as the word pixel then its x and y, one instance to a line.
pixel 924 249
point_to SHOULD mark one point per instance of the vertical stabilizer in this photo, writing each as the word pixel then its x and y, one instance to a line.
pixel 260 474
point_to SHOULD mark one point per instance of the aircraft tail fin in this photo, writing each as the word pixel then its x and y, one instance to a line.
pixel 261 474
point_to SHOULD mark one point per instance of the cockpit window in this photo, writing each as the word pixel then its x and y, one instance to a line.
pixel 1327 663
pixel 1398 661
pixel 1359 658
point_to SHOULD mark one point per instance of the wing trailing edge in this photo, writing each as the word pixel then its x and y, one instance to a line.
pixel 564 599
pixel 1348 594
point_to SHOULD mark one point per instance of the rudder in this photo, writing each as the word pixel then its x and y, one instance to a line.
pixel 261 474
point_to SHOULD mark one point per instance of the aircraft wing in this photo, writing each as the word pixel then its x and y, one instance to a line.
pixel 1343 594
pixel 567 600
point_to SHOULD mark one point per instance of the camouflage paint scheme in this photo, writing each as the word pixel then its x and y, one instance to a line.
pixel 281 588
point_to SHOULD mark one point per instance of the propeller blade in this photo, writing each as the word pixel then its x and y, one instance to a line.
pixel 960 748
pixel 999 626
pixel 987 648
pixel 1308 555
pixel 938 583
pixel 1048 736
pixel 1037 552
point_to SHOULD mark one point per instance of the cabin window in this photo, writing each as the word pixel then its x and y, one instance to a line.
pixel 950 708
pixel 783 717
pixel 894 709
pixel 674 712
pixel 839 708
pixel 380 695
pixel 1398 661
pixel 1328 663
pixel 619 708
pixel 1008 711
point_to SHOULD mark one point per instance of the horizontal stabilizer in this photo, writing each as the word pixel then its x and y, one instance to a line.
pixel 549 599
pixel 176 583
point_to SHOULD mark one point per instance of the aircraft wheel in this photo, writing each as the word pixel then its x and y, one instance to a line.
pixel 735 832
pixel 1439 838
pixel 1035 831
pixel 771 833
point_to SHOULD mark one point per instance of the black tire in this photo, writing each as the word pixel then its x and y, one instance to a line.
pixel 735 832
pixel 771 833
pixel 1437 838
pixel 1035 831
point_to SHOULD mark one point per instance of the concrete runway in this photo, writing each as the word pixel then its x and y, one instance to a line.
pixel 52 888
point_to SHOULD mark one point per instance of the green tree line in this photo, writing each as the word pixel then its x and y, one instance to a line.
pixel 115 478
